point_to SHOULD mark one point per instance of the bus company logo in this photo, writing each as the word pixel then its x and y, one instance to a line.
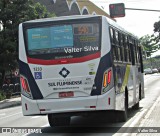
pixel 64 72
pixel 65 83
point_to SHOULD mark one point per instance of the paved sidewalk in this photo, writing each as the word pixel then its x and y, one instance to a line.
pixel 10 102
pixel 152 120
pixel 150 123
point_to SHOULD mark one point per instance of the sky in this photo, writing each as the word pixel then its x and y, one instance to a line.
pixel 137 22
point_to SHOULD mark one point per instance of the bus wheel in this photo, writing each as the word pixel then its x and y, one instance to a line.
pixel 136 106
pixel 123 115
pixel 58 121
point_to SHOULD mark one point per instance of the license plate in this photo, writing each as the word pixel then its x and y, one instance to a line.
pixel 66 94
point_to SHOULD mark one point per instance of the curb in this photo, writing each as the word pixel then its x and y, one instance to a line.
pixel 10 103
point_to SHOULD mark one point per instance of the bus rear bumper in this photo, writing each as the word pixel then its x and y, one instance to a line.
pixel 69 105
pixel 29 106
pixel 65 105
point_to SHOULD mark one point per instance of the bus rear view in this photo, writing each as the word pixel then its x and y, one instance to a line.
pixel 66 67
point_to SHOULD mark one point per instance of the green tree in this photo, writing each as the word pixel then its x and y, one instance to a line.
pixel 150 44
pixel 12 13
pixel 157 32
pixel 157 27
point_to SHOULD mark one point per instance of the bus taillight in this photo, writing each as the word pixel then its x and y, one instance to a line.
pixel 24 84
pixel 105 80
pixel 109 77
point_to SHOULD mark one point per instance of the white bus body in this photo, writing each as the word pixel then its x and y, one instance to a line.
pixel 67 67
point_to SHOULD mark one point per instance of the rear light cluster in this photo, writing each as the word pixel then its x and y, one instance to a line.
pixel 25 85
pixel 107 77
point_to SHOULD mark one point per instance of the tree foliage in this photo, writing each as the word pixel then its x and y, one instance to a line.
pixel 157 32
pixel 150 44
pixel 12 13
pixel 157 27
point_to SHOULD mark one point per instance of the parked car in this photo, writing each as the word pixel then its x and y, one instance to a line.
pixel 155 70
pixel 147 71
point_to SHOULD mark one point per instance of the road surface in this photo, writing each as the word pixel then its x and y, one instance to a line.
pixel 95 125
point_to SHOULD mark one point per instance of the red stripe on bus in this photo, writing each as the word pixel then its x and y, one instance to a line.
pixel 63 61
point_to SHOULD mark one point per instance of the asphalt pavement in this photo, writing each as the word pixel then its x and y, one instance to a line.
pixel 10 102
pixel 151 117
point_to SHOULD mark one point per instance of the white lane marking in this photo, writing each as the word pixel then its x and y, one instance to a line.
pixel 35 117
pixel 11 115
pixel 2 114
pixel 47 125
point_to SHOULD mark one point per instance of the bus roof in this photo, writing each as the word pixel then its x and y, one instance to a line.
pixel 110 21
pixel 62 18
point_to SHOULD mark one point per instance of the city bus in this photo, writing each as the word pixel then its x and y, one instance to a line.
pixel 78 65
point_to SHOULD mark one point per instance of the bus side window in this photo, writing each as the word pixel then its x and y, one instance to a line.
pixel 113 43
pixel 117 46
pixel 137 52
pixel 121 46
pixel 132 48
pixel 111 34
pixel 140 58
pixel 127 50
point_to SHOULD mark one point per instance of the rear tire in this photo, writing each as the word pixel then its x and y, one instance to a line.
pixel 58 121
pixel 123 115
pixel 136 106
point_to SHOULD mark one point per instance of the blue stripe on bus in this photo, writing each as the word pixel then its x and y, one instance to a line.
pixel 25 71
pixel 105 63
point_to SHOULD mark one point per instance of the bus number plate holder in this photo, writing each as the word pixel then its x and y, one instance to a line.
pixel 66 94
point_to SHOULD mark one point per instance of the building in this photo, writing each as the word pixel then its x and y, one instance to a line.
pixel 72 7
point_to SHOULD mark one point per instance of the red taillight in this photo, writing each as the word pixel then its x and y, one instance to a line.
pixel 109 76
pixel 24 84
pixel 27 87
